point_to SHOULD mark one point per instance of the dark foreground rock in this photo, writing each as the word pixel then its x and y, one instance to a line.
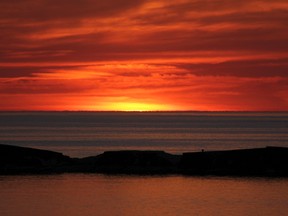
pixel 20 160
pixel 136 162
pixel 269 161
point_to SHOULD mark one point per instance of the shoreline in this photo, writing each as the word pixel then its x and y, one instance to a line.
pixel 256 162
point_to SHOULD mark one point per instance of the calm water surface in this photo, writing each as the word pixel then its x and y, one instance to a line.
pixel 85 195
pixel 81 134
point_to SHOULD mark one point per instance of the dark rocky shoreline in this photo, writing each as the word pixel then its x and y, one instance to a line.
pixel 268 162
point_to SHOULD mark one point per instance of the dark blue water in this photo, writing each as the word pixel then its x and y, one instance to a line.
pixel 81 134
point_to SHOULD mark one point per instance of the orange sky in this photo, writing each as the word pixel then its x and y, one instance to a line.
pixel 137 55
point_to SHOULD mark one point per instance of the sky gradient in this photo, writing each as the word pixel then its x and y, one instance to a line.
pixel 136 55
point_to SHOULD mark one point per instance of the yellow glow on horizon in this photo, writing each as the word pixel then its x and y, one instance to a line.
pixel 137 107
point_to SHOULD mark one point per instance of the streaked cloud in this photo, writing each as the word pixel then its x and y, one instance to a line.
pixel 189 54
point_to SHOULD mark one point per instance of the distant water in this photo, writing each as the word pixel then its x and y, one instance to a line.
pixel 81 134
pixel 90 195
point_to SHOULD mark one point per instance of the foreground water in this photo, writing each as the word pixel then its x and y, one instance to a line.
pixel 79 194
pixel 80 134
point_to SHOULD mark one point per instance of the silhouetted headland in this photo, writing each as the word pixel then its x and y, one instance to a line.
pixel 21 160
pixel 269 161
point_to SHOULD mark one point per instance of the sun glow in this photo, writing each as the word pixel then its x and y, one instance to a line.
pixel 137 107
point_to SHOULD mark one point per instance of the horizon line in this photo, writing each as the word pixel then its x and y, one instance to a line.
pixel 136 111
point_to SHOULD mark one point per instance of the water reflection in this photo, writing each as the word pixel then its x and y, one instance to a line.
pixel 79 194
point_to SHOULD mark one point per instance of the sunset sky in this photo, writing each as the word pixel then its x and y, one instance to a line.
pixel 137 55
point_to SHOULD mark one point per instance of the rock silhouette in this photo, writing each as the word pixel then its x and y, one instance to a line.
pixel 18 160
pixel 269 161
pixel 142 162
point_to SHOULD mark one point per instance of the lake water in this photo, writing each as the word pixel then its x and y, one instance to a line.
pixel 80 134
pixel 85 195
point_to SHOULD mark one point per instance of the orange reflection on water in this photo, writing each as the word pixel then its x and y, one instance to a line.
pixel 134 195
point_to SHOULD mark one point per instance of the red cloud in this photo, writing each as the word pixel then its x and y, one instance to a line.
pixel 189 54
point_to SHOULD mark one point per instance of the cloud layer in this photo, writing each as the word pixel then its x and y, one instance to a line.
pixel 188 55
